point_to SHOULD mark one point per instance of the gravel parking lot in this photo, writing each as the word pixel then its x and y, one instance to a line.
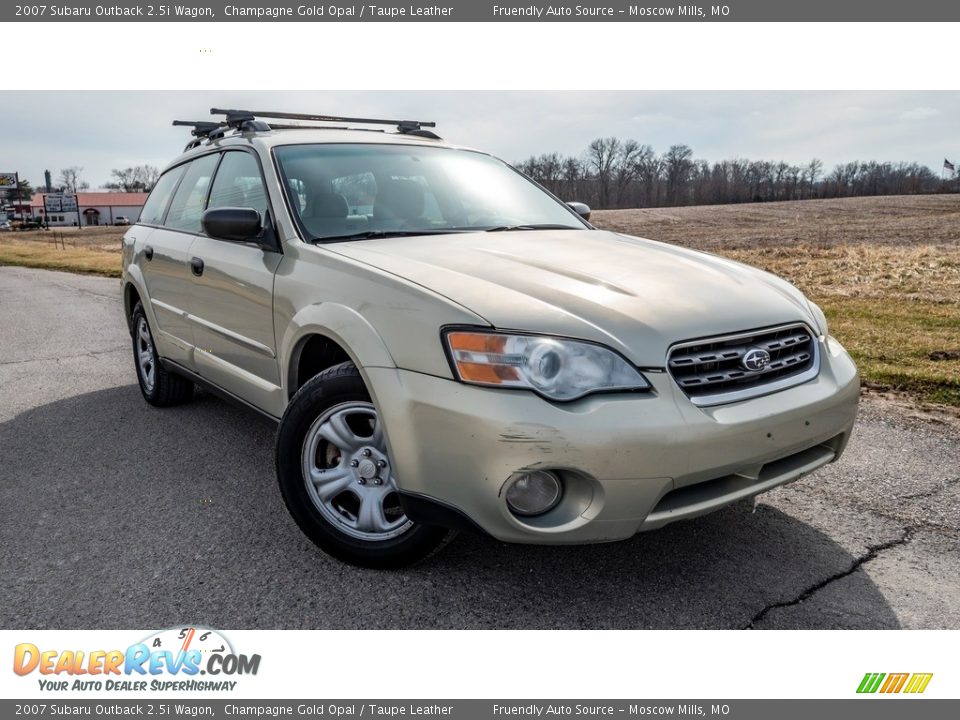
pixel 116 514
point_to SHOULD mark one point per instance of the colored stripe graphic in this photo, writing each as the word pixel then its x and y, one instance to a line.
pixel 870 682
pixel 894 683
pixel 918 682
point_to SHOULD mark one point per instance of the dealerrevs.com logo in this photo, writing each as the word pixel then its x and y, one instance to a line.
pixel 178 659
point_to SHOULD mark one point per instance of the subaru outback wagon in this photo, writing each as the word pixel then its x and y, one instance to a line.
pixel 447 345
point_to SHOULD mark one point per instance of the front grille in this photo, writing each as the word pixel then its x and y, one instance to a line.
pixel 712 371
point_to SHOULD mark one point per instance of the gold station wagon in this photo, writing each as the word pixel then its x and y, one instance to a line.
pixel 445 344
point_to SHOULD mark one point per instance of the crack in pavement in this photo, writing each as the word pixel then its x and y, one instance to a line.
pixel 51 278
pixel 58 358
pixel 947 484
pixel 856 503
pixel 872 552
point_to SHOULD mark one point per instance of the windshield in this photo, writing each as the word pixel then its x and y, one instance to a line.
pixel 347 192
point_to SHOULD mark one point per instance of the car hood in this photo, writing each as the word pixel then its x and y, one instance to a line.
pixel 637 296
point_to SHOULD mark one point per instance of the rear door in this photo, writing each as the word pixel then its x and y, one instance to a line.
pixel 162 258
pixel 232 299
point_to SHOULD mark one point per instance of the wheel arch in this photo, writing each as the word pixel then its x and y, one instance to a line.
pixel 323 335
pixel 133 292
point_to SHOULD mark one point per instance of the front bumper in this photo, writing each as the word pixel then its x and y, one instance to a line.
pixel 629 462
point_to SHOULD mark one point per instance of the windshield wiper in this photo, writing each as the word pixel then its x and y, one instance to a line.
pixel 541 226
pixel 376 234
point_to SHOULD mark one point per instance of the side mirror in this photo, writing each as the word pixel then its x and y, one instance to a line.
pixel 580 209
pixel 232 223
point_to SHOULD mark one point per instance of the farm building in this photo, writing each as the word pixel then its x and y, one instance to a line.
pixel 87 208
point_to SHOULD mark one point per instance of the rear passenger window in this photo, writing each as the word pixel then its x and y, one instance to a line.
pixel 239 184
pixel 188 203
pixel 156 205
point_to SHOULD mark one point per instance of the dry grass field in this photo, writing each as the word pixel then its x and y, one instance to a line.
pixel 885 270
pixel 93 250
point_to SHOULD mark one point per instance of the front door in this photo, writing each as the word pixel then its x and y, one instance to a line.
pixel 232 297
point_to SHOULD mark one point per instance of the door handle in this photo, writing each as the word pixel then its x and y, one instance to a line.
pixel 148 252
pixel 196 266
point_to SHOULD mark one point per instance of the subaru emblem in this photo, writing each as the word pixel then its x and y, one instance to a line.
pixel 755 359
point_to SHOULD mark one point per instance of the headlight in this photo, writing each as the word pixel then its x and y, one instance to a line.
pixel 557 368
pixel 819 317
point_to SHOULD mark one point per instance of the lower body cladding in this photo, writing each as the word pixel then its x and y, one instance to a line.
pixel 625 463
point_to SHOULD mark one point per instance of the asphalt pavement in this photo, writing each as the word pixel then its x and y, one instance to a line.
pixel 114 514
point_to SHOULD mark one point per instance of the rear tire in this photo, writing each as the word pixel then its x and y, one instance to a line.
pixel 159 387
pixel 336 478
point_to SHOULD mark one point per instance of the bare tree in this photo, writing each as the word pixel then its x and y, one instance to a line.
pixel 141 178
pixel 649 168
pixel 813 170
pixel 626 167
pixel 572 174
pixel 123 180
pixel 71 181
pixel 678 166
pixel 551 167
pixel 601 156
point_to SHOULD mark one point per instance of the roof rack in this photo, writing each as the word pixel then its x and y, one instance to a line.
pixel 406 127
pixel 246 120
pixel 215 130
pixel 201 128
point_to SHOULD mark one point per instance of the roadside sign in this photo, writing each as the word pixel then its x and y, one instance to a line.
pixel 60 203
pixel 8 180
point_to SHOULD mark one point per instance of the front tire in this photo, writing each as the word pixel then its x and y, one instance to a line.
pixel 159 387
pixel 336 476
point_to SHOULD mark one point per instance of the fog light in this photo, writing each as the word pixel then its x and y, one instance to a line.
pixel 533 493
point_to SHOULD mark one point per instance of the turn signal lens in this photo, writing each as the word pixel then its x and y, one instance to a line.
pixel 557 368
pixel 482 358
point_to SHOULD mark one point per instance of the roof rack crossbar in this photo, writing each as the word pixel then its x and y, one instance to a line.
pixel 201 128
pixel 247 121
pixel 404 126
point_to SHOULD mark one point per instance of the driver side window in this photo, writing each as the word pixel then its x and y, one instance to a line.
pixel 239 184
pixel 186 208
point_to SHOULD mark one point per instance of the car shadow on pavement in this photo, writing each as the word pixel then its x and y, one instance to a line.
pixel 116 514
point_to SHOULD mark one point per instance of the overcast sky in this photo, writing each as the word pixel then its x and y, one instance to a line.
pixel 100 130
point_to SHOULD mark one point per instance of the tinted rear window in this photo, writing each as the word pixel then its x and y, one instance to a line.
pixel 156 205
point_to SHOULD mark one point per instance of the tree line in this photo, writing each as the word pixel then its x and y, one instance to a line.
pixel 139 178
pixel 615 173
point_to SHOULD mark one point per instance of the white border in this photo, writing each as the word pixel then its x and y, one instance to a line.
pixel 654 664
pixel 487 56
pixel 505 56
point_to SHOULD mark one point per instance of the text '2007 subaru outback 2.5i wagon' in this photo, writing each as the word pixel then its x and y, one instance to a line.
pixel 445 344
